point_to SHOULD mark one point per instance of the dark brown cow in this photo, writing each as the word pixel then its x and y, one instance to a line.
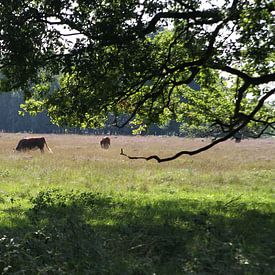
pixel 32 144
pixel 105 143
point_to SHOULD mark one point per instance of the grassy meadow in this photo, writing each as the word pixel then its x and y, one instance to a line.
pixel 85 210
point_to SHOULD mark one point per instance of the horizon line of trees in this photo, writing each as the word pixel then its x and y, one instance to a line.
pixel 12 121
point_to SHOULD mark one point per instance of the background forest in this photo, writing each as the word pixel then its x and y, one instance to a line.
pixel 12 121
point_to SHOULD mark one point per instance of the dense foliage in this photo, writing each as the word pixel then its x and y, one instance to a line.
pixel 139 58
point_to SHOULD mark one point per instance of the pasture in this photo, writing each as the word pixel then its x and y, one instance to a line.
pixel 86 210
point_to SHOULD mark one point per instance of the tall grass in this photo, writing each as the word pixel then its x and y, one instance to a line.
pixel 84 210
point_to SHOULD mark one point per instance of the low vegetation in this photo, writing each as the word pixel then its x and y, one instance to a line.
pixel 85 210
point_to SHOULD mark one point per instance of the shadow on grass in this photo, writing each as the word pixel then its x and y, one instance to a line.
pixel 85 233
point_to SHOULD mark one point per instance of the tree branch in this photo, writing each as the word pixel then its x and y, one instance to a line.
pixel 252 80
pixel 215 142
pixel 214 14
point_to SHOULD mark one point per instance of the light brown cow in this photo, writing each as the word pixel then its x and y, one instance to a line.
pixel 105 142
pixel 26 144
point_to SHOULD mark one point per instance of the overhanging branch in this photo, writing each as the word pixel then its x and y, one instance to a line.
pixel 214 15
pixel 212 144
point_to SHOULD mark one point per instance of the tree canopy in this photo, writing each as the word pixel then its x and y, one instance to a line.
pixel 140 58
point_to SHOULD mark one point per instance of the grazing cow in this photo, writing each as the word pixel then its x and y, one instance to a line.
pixel 105 143
pixel 32 144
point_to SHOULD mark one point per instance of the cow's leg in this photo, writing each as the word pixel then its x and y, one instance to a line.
pixel 42 149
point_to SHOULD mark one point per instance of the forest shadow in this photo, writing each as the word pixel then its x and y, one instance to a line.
pixel 87 233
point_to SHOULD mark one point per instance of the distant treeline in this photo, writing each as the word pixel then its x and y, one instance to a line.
pixel 11 121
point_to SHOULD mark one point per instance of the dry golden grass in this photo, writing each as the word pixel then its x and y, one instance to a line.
pixel 226 156
pixel 78 161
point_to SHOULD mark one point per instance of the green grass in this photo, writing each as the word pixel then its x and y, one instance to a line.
pixel 84 210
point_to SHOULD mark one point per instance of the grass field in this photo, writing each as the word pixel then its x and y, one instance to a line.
pixel 85 210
